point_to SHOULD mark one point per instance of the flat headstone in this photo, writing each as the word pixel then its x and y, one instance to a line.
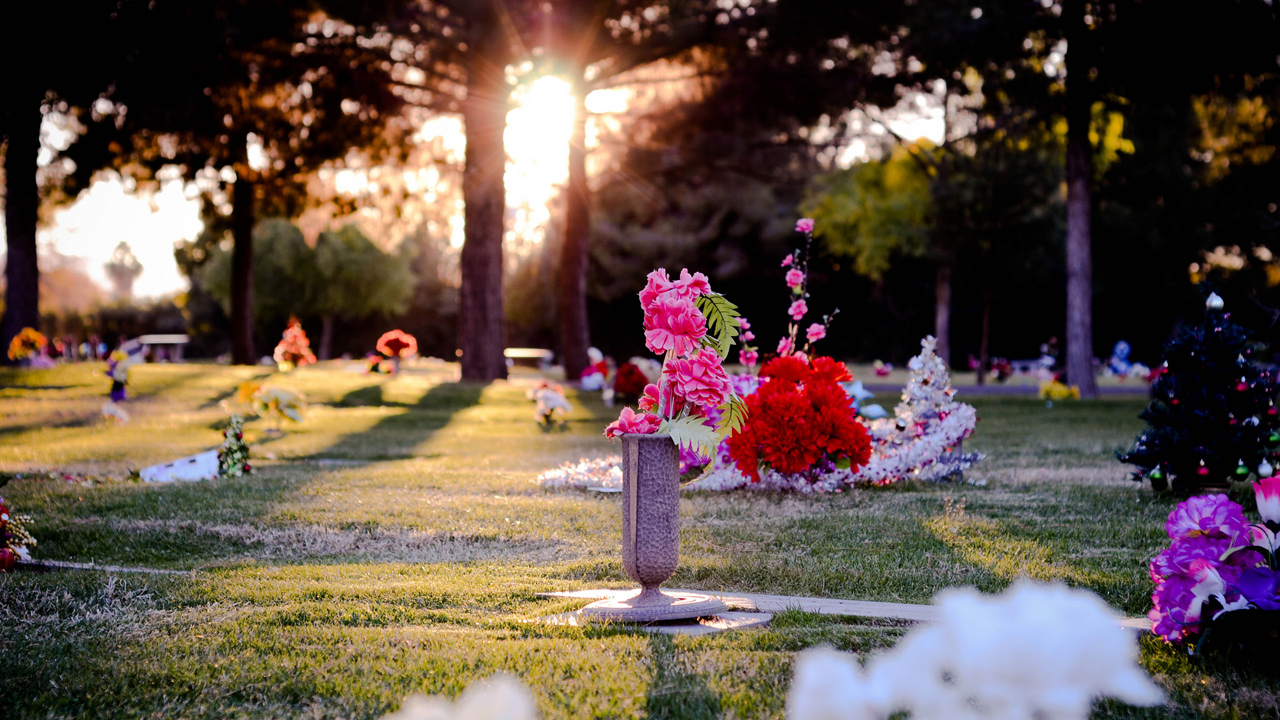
pixel 823 606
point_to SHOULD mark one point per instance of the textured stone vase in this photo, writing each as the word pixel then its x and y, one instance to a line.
pixel 651 537
pixel 650 510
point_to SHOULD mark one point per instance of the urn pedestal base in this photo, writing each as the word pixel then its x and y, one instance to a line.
pixel 652 606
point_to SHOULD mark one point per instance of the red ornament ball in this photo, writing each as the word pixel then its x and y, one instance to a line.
pixel 1272 411
pixel 8 559
pixel 1202 470
pixel 1241 387
pixel 246 467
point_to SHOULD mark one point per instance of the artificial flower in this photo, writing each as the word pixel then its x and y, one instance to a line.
pixel 748 357
pixel 633 423
pixel 700 379
pixel 785 347
pixel 816 332
pixel 1267 492
pixel 673 325
pixel 798 309
pixel 786 261
pixel 804 225
pixel 794 278
pixel 397 343
pixel 649 400
pixel 1212 515
pixel 1260 586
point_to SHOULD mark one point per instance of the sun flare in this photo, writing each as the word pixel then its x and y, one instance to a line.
pixel 537 140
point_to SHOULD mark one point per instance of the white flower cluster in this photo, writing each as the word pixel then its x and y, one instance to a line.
pixel 1037 651
pixel 725 476
pixel 500 697
pixel 585 473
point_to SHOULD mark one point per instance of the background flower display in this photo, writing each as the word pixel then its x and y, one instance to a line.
pixel 1219 579
pixel 1212 418
pixel 26 344
pixel 693 329
pixel 118 364
pixel 294 348
pixel 15 539
pixel 595 376
pixel 273 403
pixel 551 404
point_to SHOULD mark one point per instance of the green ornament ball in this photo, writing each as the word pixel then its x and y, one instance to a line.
pixel 1241 470
pixel 1274 437
pixel 1156 474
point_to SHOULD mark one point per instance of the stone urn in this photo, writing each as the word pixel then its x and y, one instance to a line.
pixel 651 537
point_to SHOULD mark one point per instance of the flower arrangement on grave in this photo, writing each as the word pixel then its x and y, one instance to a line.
pixel 800 422
pixel 922 440
pixel 1054 389
pixel 233 454
pixel 273 403
pixel 397 345
pixel 551 404
pixel 118 364
pixel 1220 576
pixel 294 348
pixel 27 343
pixel 1212 418
pixel 629 382
pixel 15 539
pixel 595 376
pixel 693 329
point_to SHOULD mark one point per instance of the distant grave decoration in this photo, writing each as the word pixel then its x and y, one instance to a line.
pixel 294 348
pixel 1213 419
pixel 392 347
pixel 275 404
pixel 15 539
pixel 230 460
pixel 27 345
pixel 1217 585
pixel 551 406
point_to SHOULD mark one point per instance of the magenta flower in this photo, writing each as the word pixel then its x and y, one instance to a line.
pixel 700 379
pixel 788 260
pixel 1178 558
pixel 1210 515
pixel 672 323
pixel 691 286
pixel 631 422
pixel 742 323
pixel 798 309
pixel 748 357
pixel 1268 494
pixel 794 278
pixel 649 400
pixel 804 225
pixel 816 332
pixel 785 347
pixel 658 284
pixel 748 336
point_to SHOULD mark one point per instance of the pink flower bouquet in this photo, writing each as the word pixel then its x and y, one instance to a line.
pixel 693 329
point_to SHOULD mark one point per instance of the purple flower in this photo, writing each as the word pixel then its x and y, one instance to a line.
pixel 1206 515
pixel 1260 586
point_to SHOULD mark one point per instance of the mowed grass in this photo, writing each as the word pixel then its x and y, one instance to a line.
pixel 394 542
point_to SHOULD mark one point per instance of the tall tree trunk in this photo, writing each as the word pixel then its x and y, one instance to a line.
pixel 942 312
pixel 1079 113
pixel 480 318
pixel 574 337
pixel 326 337
pixel 21 208
pixel 984 343
pixel 242 215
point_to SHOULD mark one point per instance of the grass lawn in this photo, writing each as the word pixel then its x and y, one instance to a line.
pixel 394 543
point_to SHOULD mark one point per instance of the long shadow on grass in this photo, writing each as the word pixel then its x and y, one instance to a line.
pixel 397 435
pixel 674 692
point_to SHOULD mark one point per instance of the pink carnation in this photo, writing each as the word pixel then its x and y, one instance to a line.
pixel 816 332
pixel 659 284
pixel 649 400
pixel 742 323
pixel 700 379
pixel 798 309
pixel 784 346
pixel 787 260
pixel 748 357
pixel 672 323
pixel 794 278
pixel 691 286
pixel 804 225
pixel 634 423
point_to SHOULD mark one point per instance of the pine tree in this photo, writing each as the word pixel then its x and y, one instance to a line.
pixel 1212 418
pixel 233 454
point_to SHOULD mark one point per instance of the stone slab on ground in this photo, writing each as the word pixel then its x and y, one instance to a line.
pixel 823 606
pixel 720 622
pixel 63 565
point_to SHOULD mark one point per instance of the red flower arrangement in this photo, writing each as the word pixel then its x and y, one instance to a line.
pixel 800 419
pixel 630 381
pixel 397 344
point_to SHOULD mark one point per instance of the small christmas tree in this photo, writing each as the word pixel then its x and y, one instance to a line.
pixel 922 440
pixel 1212 418
pixel 233 454
pixel 294 348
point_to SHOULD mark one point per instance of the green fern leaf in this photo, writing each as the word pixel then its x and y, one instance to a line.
pixel 733 415
pixel 722 320
pixel 691 434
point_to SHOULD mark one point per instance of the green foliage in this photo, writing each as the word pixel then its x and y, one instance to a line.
pixel 733 415
pixel 722 321
pixel 691 434
pixel 874 211
pixel 356 278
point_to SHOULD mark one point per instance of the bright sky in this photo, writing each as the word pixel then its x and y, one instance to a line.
pixel 537 139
